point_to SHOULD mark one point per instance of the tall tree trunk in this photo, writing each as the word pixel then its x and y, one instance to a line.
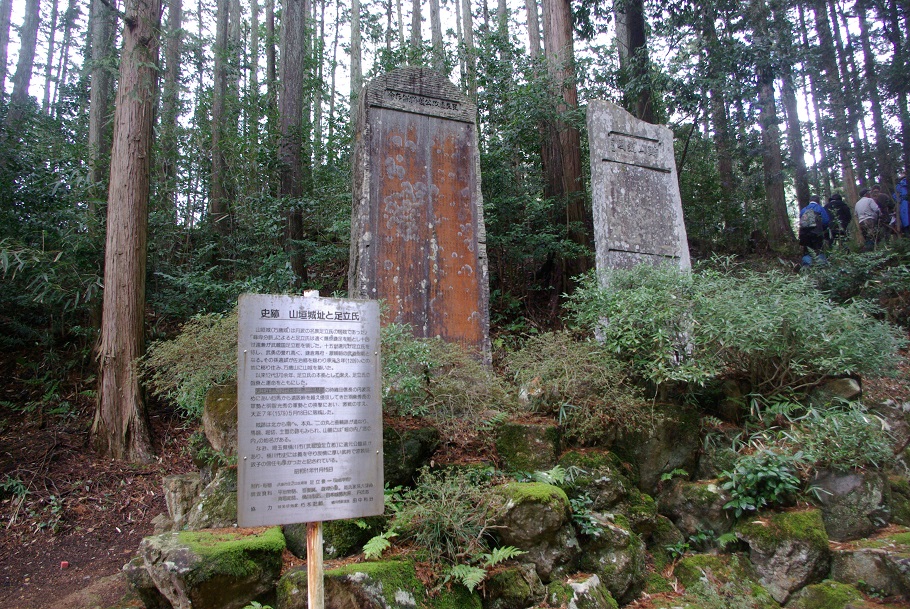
pixel 28 36
pixel 835 93
pixel 718 107
pixel 883 159
pixel 889 15
pixel 795 138
pixel 331 139
pixel 218 197
pixel 562 148
pixel 271 69
pixel 170 105
pixel 416 34
pixel 319 88
pixel 502 19
pixel 6 9
pixel 255 110
pixel 780 233
pixel 49 64
pixel 469 54
pixel 533 28
pixel 103 31
pixel 72 12
pixel 356 66
pixel 631 40
pixel 823 166
pixel 293 71
pixel 439 56
pixel 120 428
pixel 850 87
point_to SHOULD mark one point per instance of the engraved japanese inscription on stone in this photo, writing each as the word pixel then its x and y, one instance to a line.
pixel 309 431
pixel 635 191
pixel 418 240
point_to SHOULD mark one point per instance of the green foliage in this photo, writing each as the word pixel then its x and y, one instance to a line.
pixel 204 353
pixel 12 487
pixel 845 436
pixel 467 575
pixel 437 380
pixel 764 478
pixel 777 332
pixel 378 544
pixel 586 387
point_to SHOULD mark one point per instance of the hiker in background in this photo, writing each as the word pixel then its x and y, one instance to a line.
pixel 887 221
pixel 813 225
pixel 902 197
pixel 868 214
pixel 841 217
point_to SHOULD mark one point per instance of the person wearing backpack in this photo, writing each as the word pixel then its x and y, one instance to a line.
pixel 813 225
pixel 902 196
pixel 840 215
pixel 868 214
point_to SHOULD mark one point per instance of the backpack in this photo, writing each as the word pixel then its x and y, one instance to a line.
pixel 810 219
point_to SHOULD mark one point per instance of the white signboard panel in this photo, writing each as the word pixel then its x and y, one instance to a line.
pixel 309 410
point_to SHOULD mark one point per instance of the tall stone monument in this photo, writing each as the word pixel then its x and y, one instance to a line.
pixel 637 208
pixel 417 231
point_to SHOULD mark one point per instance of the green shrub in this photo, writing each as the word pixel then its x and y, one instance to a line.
pixel 183 369
pixel 444 382
pixel 581 383
pixel 845 436
pixel 777 332
pixel 764 478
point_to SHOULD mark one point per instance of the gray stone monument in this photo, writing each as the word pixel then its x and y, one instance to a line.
pixel 417 231
pixel 637 208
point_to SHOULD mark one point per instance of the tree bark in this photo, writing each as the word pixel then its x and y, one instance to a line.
pixel 850 88
pixel 102 87
pixel 120 428
pixel 632 43
pixel 533 28
pixel 293 24
pixel 255 97
pixel 6 9
pixel 218 196
pixel 63 60
pixel 416 34
pixel 49 64
pixel 356 65
pixel 469 59
pixel 823 166
pixel 562 148
pixel 438 55
pixel 28 36
pixel 170 105
pixel 718 106
pixel 883 159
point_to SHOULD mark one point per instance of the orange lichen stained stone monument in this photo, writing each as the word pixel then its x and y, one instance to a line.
pixel 418 239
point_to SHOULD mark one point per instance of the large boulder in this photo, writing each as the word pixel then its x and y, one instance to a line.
pixel 215 569
pixel 829 595
pixel 216 507
pixel 387 584
pixel 789 550
pixel 672 442
pixel 527 447
pixel 599 476
pixel 340 538
pixel 514 587
pixel 181 491
pixel 617 556
pixel 405 451
pixel 899 506
pixel 724 576
pixel 696 507
pixel 534 517
pixel 835 390
pixel 854 504
pixel 879 565
pixel 219 418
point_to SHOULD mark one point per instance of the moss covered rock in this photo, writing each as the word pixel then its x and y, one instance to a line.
pixel 878 565
pixel 388 584
pixel 514 587
pixel 617 556
pixel 534 517
pixel 405 451
pixel 584 593
pixel 672 442
pixel 900 500
pixel 216 507
pixel 854 504
pixel 219 418
pixel 600 476
pixel 214 569
pixel 729 576
pixel 789 550
pixel 527 447
pixel 340 538
pixel 826 595
pixel 696 506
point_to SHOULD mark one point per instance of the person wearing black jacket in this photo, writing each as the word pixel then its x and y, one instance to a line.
pixel 840 218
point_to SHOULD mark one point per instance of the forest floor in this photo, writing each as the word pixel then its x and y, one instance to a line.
pixel 70 520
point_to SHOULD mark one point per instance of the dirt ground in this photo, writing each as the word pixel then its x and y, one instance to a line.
pixel 69 520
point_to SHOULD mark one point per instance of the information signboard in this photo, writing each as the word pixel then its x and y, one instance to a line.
pixel 309 410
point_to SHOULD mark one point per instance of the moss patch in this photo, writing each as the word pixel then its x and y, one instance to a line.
pixel 520 492
pixel 725 568
pixel 826 595
pixel 771 530
pixel 900 500
pixel 235 553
